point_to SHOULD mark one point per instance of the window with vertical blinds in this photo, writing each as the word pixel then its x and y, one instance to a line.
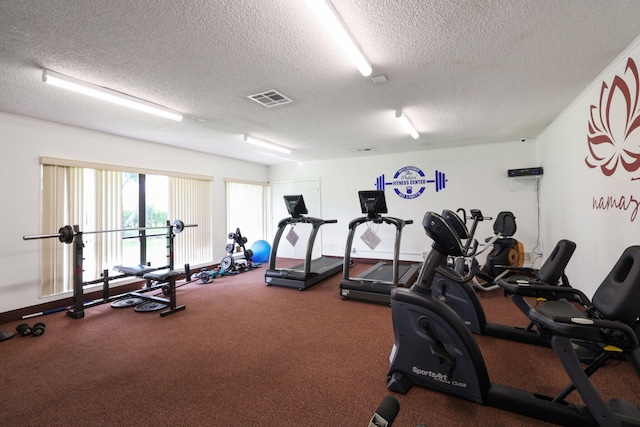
pixel 247 207
pixel 93 198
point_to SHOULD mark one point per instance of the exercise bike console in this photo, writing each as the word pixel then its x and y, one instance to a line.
pixel 444 239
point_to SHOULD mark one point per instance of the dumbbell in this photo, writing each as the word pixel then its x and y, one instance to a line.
pixel 26 330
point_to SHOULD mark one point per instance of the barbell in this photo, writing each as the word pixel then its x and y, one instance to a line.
pixel 66 234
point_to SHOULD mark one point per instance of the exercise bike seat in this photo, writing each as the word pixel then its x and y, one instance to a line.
pixel 505 224
pixel 611 319
pixel 552 273
pixel 552 270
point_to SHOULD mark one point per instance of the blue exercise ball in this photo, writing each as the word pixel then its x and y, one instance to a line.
pixel 261 250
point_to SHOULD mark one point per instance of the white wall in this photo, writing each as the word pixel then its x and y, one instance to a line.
pixel 570 186
pixel 25 140
pixel 476 178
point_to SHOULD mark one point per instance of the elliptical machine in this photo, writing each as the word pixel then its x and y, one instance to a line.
pixel 505 251
pixel 433 348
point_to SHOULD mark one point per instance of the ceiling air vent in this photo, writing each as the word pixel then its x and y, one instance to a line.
pixel 363 149
pixel 270 98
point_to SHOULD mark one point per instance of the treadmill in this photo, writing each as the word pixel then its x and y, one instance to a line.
pixel 311 271
pixel 375 284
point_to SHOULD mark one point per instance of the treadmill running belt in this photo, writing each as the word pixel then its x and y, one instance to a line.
pixel 384 273
pixel 318 264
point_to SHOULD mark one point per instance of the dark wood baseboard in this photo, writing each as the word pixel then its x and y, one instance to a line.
pixel 64 303
pixel 67 302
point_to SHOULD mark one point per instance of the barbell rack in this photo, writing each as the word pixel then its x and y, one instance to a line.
pixel 72 234
pixel 66 234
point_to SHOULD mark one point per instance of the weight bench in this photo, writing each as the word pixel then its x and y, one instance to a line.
pixel 137 270
pixel 160 276
pixel 134 270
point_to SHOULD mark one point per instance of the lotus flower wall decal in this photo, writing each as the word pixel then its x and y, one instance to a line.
pixel 612 137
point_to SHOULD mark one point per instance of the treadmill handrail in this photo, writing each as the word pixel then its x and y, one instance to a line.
pixel 397 222
pixel 305 220
pixel 315 224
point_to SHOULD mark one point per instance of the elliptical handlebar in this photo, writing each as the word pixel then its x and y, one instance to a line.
pixel 476 215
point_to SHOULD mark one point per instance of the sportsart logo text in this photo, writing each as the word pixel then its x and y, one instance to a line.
pixel 437 376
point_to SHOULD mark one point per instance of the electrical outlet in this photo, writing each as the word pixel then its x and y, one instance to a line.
pixel 528 256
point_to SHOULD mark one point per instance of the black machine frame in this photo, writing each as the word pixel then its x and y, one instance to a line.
pixel 433 348
pixel 366 287
pixel 165 278
pixel 311 271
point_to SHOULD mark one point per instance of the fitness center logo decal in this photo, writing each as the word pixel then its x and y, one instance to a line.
pixel 410 182
pixel 613 138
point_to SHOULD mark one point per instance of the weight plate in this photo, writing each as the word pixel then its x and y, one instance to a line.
pixel 66 234
pixel 226 263
pixel 178 226
pixel 126 302
pixel 149 306
pixel 229 248
pixel 232 236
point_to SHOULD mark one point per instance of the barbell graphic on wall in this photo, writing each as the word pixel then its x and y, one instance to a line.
pixel 439 180
pixel 67 233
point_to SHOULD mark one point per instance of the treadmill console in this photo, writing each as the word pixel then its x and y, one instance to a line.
pixel 373 203
pixel 295 205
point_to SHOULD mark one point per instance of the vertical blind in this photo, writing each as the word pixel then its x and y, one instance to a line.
pixel 92 199
pixel 247 207
pixel 190 202
pixel 54 256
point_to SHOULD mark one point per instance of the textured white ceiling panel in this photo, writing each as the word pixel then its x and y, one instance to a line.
pixel 465 72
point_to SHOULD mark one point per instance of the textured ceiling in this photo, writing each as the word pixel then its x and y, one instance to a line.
pixel 465 71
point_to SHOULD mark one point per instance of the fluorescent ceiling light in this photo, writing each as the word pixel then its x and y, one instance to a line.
pixel 266 144
pixel 333 23
pixel 407 124
pixel 105 94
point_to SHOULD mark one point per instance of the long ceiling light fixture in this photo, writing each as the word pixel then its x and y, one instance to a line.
pixel 109 95
pixel 407 124
pixel 333 23
pixel 266 144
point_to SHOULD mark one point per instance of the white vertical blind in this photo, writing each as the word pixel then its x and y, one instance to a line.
pixel 92 199
pixel 52 264
pixel 108 216
pixel 190 202
pixel 247 205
